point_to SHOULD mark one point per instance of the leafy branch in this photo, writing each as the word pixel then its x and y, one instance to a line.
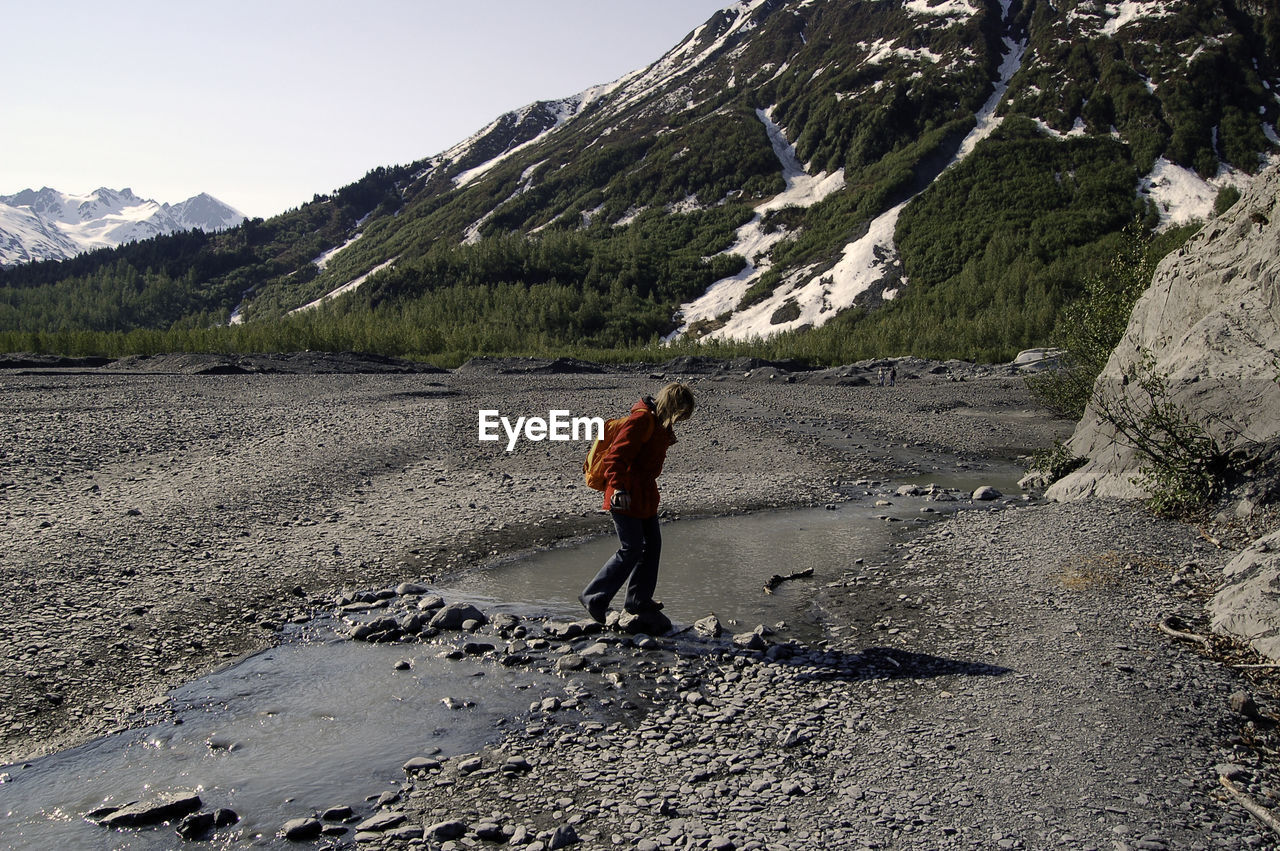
pixel 1183 465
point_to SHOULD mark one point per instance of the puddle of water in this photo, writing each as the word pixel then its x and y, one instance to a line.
pixel 302 727
pixel 1001 475
pixel 715 565
pixel 326 722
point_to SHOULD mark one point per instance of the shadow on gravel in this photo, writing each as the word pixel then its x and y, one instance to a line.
pixel 884 663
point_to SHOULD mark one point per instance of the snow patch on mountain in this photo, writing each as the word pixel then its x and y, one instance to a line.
pixel 53 225
pixel 868 261
pixel 803 189
pixel 752 242
pixel 1126 12
pixel 1181 196
pixel 943 9
pixel 323 259
pixel 1077 129
pixel 345 288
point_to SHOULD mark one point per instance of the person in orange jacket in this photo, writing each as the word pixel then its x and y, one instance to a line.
pixel 632 466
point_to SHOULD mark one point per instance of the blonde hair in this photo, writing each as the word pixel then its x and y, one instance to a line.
pixel 674 403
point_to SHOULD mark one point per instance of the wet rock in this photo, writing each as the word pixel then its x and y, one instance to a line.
pixel 563 630
pixel 454 615
pixel 457 703
pixel 649 623
pixel 406 589
pixel 375 630
pixel 708 626
pixel 471 765
pixel 224 817
pixel 431 602
pixel 381 822
pixel 301 829
pixel 419 764
pixel 753 640
pixel 986 493
pixel 570 662
pixel 155 811
pixel 414 623
pixel 195 825
pixel 338 813
pixel 504 622
pixel 446 830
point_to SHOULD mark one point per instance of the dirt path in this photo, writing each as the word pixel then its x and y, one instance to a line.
pixel 1001 685
pixel 156 526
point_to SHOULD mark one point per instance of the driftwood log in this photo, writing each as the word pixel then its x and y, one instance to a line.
pixel 1255 809
pixel 777 579
pixel 1169 627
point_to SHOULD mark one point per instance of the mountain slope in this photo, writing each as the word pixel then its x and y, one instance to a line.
pixel 938 177
pixel 53 225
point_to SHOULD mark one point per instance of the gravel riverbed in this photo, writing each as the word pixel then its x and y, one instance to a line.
pixel 998 681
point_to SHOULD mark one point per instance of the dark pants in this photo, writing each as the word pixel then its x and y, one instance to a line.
pixel 635 563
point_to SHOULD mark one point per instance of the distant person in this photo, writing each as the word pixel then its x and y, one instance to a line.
pixel 880 376
pixel 632 466
pixel 893 375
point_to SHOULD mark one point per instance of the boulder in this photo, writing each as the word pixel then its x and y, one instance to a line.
pixel 454 615
pixel 431 602
pixel 1211 320
pixel 1247 606
pixel 446 830
pixel 709 627
pixel 753 640
pixel 420 764
pixel 647 623
pixel 564 836
pixel 301 829
pixel 195 825
pixel 156 810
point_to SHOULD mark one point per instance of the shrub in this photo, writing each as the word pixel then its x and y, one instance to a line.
pixel 1183 466
pixel 1055 462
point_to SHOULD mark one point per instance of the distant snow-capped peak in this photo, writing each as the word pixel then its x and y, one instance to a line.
pixel 52 225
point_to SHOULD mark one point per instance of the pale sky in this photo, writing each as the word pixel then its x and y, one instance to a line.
pixel 265 103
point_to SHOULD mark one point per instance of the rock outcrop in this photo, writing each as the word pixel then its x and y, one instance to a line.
pixel 1211 320
pixel 1248 604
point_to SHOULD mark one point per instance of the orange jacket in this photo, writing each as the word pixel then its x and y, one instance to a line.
pixel 634 460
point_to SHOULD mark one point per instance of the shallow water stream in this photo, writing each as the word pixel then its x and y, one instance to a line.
pixel 321 722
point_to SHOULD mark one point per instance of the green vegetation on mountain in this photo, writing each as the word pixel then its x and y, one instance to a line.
pixel 546 236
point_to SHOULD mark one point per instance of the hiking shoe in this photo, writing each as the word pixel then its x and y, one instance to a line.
pixel 596 610
pixel 645 608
